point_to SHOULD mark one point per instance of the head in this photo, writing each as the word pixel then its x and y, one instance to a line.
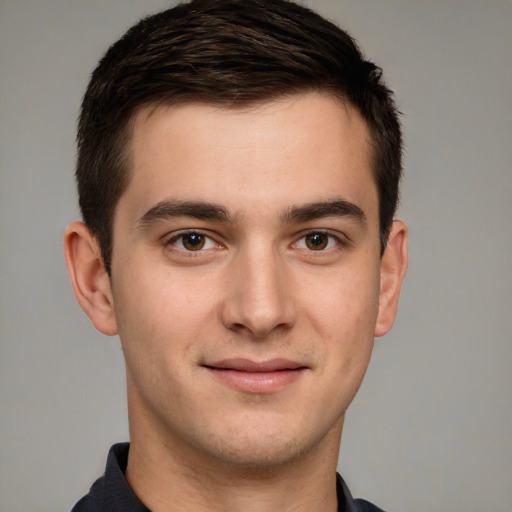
pixel 229 53
pixel 238 173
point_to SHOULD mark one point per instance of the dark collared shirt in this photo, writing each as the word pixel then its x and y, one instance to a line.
pixel 111 492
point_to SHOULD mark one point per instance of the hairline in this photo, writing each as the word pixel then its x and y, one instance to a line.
pixel 126 130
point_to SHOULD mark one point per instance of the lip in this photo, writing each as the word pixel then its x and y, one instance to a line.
pixel 250 376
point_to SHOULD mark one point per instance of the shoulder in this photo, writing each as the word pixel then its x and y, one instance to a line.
pixel 111 491
pixel 347 503
pixel 84 505
pixel 366 506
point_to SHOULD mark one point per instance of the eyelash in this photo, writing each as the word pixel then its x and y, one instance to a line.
pixel 208 240
pixel 181 236
pixel 333 241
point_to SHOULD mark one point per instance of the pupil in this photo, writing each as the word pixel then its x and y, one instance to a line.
pixel 193 239
pixel 317 241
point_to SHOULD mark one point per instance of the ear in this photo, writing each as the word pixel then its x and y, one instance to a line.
pixel 393 266
pixel 90 281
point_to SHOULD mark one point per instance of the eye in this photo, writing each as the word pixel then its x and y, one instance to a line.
pixel 191 241
pixel 317 241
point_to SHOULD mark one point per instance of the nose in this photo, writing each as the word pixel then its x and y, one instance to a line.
pixel 259 299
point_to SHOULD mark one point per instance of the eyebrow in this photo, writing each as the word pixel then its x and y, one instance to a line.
pixel 321 209
pixel 175 208
pixel 210 211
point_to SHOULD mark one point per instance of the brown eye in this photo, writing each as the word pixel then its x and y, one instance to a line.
pixel 317 241
pixel 193 241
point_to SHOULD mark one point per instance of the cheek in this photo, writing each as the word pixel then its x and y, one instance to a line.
pixel 159 315
pixel 344 317
pixel 346 305
pixel 156 329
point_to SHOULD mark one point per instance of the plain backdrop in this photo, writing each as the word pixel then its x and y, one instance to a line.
pixel 431 428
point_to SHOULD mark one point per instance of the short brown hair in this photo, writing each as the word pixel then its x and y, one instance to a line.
pixel 232 53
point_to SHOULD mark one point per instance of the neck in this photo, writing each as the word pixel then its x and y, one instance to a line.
pixel 168 475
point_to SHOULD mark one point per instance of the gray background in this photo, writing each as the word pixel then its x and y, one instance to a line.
pixel 431 429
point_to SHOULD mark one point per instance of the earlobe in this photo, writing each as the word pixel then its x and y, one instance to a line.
pixel 392 272
pixel 90 281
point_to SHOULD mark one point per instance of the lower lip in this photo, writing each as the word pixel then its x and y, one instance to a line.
pixel 257 382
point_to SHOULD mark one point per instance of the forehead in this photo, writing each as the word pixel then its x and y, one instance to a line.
pixel 297 149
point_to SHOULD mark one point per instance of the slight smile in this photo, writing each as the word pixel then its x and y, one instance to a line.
pixel 256 377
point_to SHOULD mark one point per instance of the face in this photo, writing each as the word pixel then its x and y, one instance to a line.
pixel 246 275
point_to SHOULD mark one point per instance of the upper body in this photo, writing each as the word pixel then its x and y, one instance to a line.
pixel 238 174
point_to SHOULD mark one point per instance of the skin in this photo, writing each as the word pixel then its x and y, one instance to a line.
pixel 254 189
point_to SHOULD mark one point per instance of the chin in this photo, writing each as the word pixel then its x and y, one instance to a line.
pixel 263 446
pixel 262 454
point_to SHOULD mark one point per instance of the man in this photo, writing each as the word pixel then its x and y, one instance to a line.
pixel 238 174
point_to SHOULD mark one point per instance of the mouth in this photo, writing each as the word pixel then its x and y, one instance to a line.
pixel 256 376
